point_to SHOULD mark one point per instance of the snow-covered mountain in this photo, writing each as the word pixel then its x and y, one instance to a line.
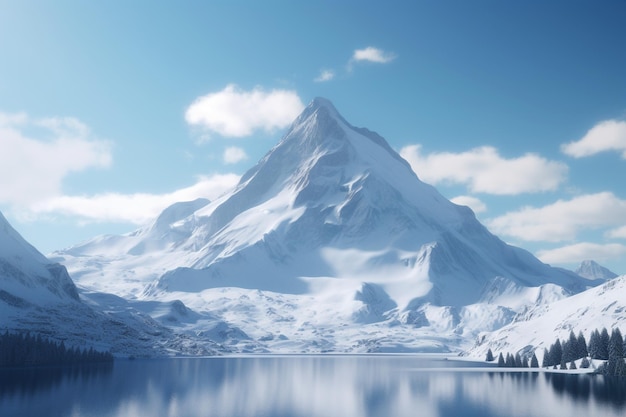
pixel 26 276
pixel 39 297
pixel 592 270
pixel 330 231
pixel 538 328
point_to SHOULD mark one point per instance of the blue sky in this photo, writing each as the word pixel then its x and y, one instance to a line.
pixel 110 111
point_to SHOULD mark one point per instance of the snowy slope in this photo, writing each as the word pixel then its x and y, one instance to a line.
pixel 602 306
pixel 26 276
pixel 330 214
pixel 39 297
pixel 592 270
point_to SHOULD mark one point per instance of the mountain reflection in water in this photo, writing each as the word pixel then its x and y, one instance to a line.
pixel 304 386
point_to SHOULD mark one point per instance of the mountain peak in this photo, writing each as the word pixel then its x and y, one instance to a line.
pixel 592 270
pixel 320 105
pixel 319 122
pixel 26 274
pixel 12 245
pixel 321 125
pixel 318 102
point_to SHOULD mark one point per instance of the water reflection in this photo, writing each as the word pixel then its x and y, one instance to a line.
pixel 611 391
pixel 304 386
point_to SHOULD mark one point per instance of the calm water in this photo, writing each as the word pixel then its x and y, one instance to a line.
pixel 304 386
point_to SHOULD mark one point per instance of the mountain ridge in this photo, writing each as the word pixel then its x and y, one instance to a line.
pixel 38 297
pixel 27 276
pixel 334 213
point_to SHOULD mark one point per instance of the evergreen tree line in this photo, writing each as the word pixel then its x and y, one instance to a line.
pixel 563 352
pixel 601 347
pixel 27 350
pixel 515 361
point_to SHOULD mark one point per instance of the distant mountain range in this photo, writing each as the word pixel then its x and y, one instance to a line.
pixel 330 243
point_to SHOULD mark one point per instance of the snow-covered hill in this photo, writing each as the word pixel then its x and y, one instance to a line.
pixel 39 297
pixel 592 270
pixel 538 328
pixel 26 276
pixel 330 242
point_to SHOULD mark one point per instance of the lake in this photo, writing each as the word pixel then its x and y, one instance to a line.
pixel 325 386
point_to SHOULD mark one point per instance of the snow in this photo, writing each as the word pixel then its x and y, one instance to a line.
pixel 329 243
pixel 592 270
pixel 38 296
pixel 538 328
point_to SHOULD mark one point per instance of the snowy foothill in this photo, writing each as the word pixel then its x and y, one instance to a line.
pixel 596 308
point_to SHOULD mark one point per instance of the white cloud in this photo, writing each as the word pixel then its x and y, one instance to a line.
pixel 233 112
pixel 234 154
pixel 37 154
pixel 13 119
pixel 136 208
pixel 371 54
pixel 64 126
pixel 563 219
pixel 579 251
pixel 483 170
pixel 619 233
pixel 472 202
pixel 609 135
pixel 325 75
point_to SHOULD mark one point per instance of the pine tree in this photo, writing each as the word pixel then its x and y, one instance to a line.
pixel 594 343
pixel 603 345
pixel 572 365
pixel 620 368
pixel 546 361
pixel 556 352
pixel 534 363
pixel 518 360
pixel 26 349
pixel 510 361
pixel 567 351
pixel 489 357
pixel 617 343
pixel 501 362
pixel 572 344
pixel 582 346
pixel 585 363
pixel 616 352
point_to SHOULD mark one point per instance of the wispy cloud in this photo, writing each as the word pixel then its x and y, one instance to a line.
pixel 619 233
pixel 472 202
pixel 137 208
pixel 325 75
pixel 233 112
pixel 371 54
pixel 585 250
pixel 37 154
pixel 234 154
pixel 483 170
pixel 562 220
pixel 609 135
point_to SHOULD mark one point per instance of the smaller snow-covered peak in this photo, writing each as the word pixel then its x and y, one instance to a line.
pixel 26 275
pixel 13 246
pixel 592 270
pixel 179 211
